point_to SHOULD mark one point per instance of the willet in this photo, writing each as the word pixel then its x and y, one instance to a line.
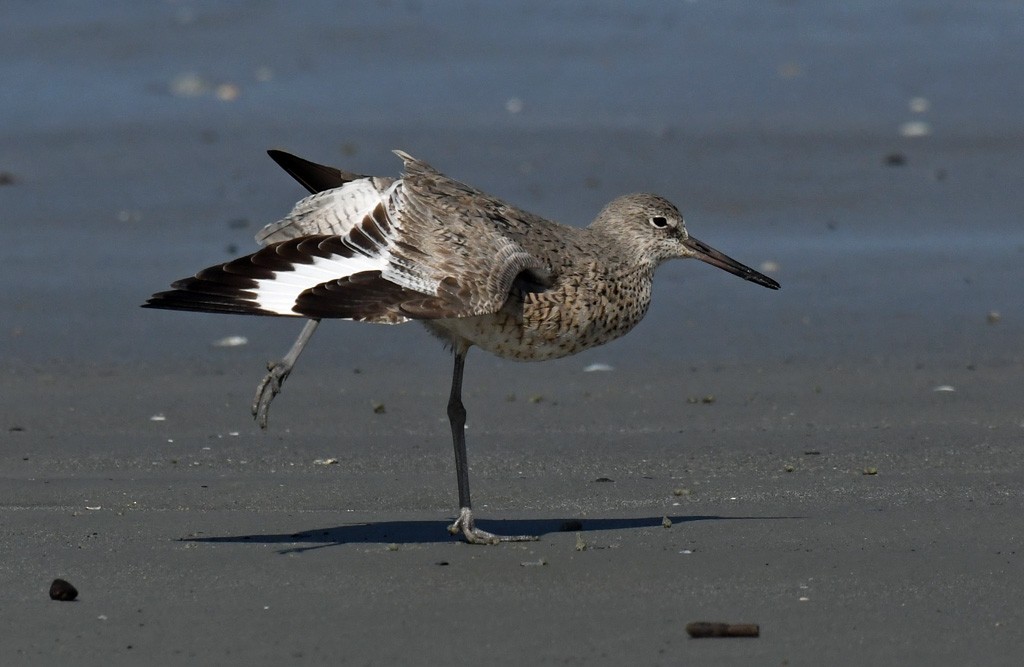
pixel 472 268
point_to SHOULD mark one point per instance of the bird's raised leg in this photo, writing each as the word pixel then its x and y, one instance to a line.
pixel 277 373
pixel 465 525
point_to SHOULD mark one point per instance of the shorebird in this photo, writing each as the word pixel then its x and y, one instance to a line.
pixel 470 267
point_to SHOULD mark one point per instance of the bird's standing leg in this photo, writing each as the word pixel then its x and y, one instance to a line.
pixel 457 417
pixel 277 373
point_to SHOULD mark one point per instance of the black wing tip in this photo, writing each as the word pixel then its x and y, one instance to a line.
pixel 277 155
pixel 312 176
pixel 203 303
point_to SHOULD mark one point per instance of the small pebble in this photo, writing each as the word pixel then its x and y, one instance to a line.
pixel 666 522
pixel 63 591
pixel 378 408
pixel 895 160
pixel 870 470
pixel 993 317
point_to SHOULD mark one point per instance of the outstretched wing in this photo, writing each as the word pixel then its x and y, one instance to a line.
pixel 375 250
pixel 332 211
pixel 308 276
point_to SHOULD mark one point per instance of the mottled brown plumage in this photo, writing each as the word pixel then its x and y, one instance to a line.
pixel 474 269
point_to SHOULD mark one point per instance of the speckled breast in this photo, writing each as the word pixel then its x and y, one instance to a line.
pixel 535 326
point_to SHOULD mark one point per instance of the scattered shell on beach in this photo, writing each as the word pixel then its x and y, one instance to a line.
pixel 919 104
pixel 158 417
pixel 193 84
pixel 598 368
pixel 231 341
pixel 915 128
pixel 188 84
pixel 227 92
pixel 993 317
pixel 944 387
pixel 325 462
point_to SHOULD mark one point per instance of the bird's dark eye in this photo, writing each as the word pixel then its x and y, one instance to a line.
pixel 659 221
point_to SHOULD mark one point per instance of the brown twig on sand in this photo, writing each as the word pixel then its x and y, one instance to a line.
pixel 705 629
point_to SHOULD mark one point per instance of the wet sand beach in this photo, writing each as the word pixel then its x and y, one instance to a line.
pixel 840 462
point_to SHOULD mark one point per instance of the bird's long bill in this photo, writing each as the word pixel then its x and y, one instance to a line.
pixel 706 253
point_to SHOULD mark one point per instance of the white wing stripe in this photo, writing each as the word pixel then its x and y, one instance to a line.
pixel 278 294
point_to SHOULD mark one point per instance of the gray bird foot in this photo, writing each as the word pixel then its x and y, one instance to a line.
pixel 267 389
pixel 466 526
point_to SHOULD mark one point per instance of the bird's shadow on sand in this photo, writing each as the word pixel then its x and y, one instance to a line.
pixel 425 532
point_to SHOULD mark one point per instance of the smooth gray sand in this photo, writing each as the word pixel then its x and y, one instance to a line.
pixel 842 461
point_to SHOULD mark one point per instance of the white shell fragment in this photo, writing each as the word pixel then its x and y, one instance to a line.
pixel 919 104
pixel 915 128
pixel 231 341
